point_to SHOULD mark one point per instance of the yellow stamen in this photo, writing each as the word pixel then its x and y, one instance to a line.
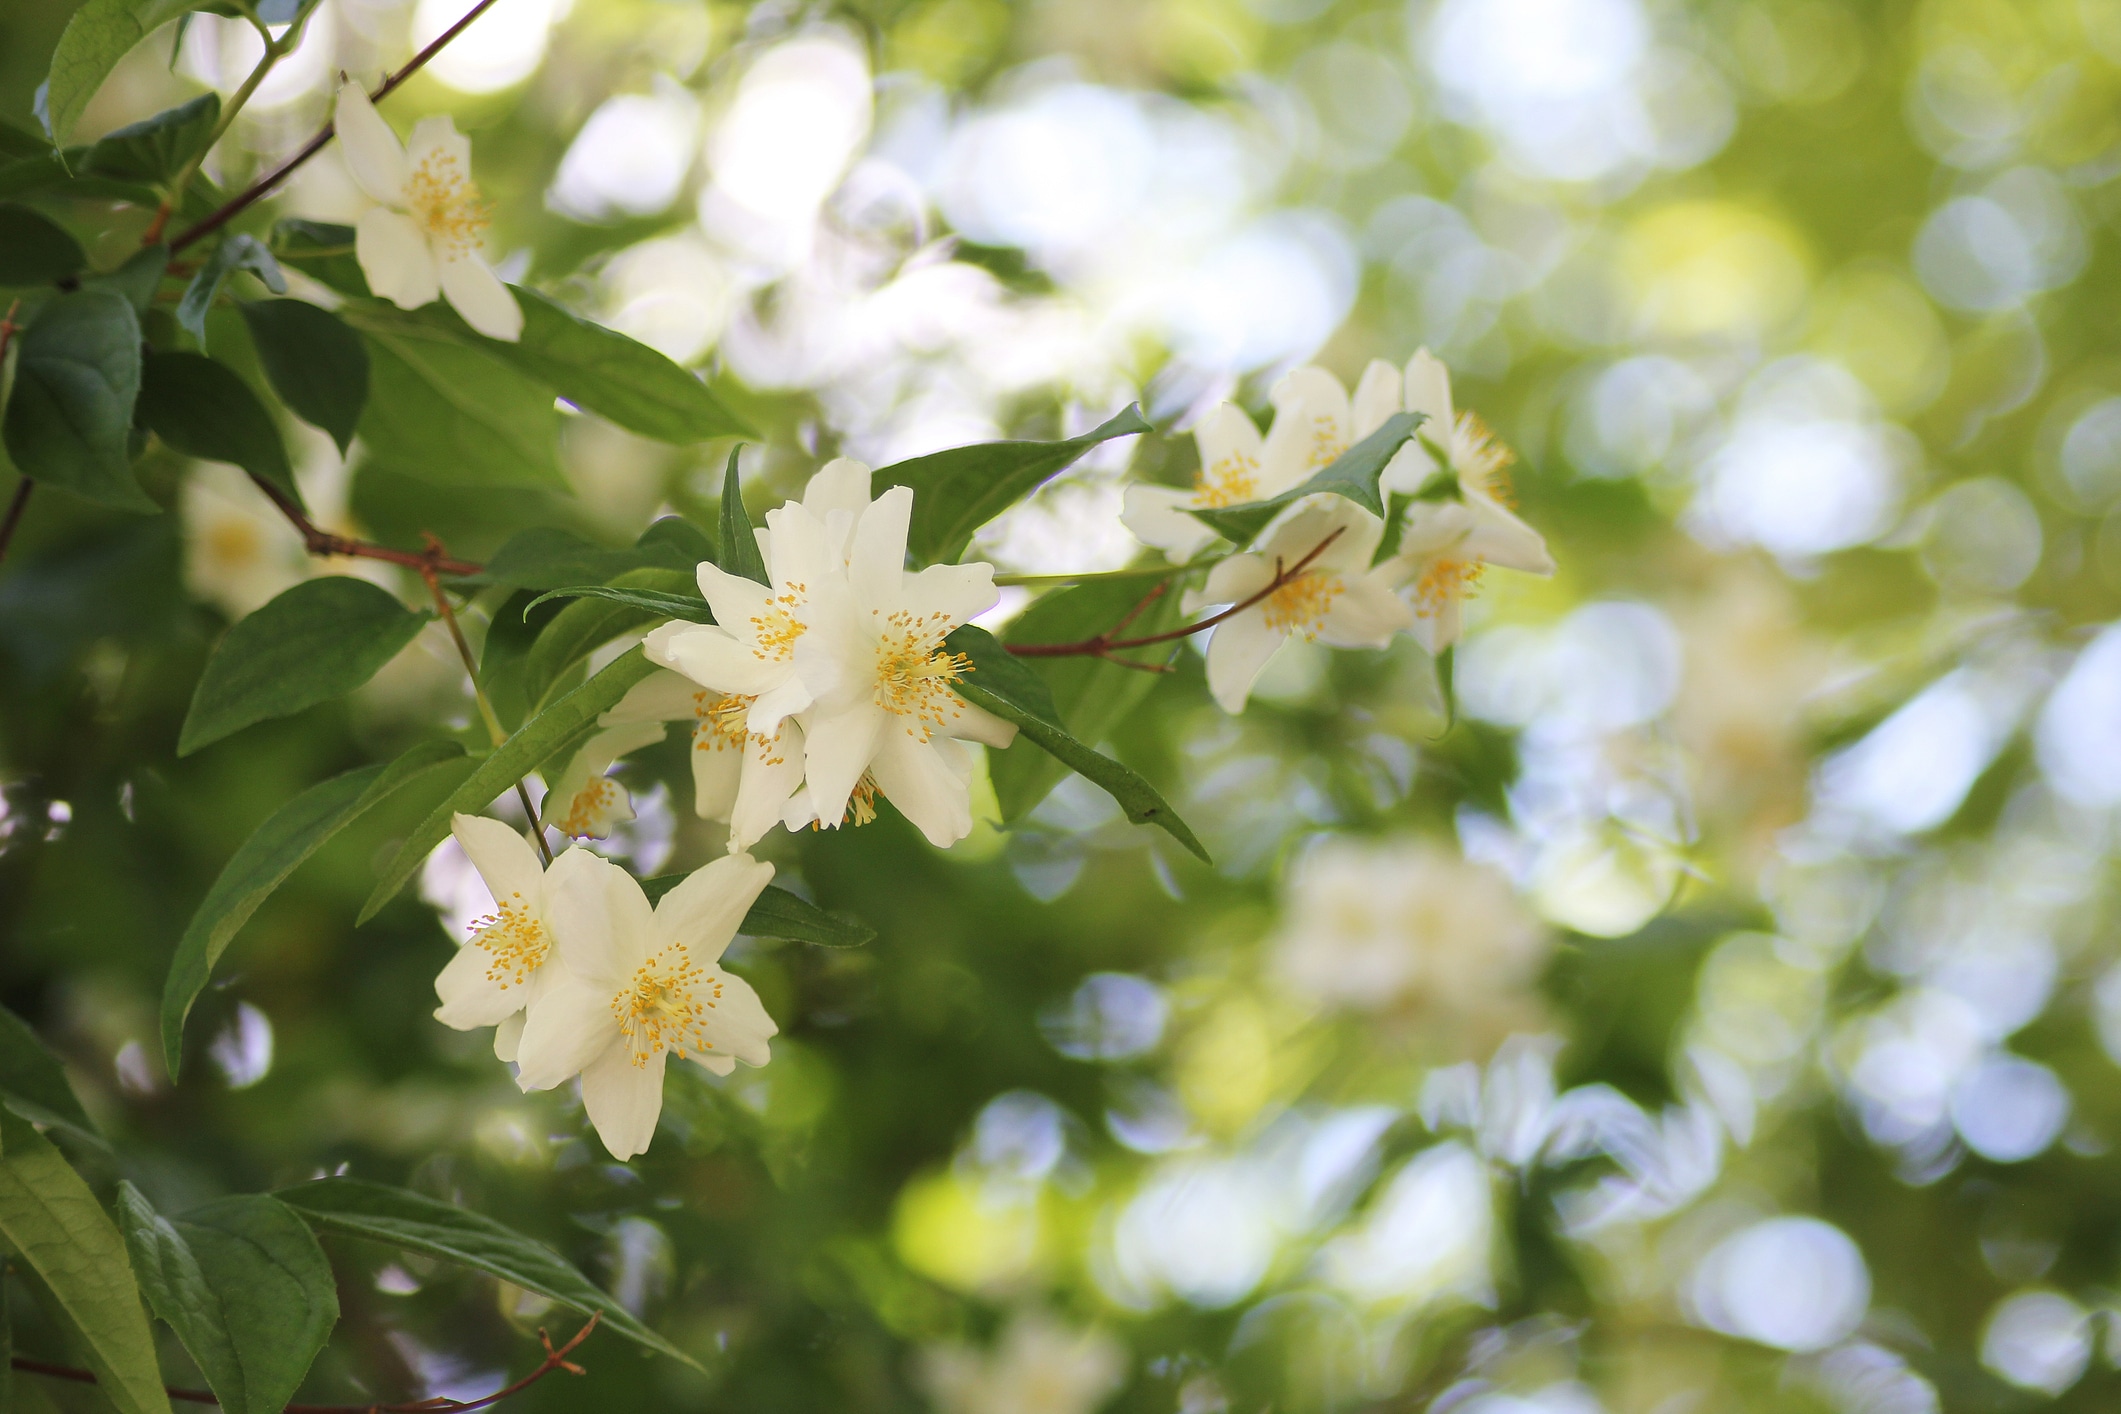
pixel 913 673
pixel 666 1006
pixel 1444 583
pixel 588 811
pixel 441 197
pixel 861 804
pixel 1327 443
pixel 516 940
pixel 1300 605
pixel 1482 461
pixel 775 628
pixel 1230 481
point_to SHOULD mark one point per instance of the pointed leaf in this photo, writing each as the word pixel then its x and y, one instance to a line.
pixel 740 547
pixel 61 1236
pixel 244 1285
pixel 521 754
pixel 317 365
pixel 34 249
pixel 587 624
pixel 34 1085
pixel 237 252
pixel 100 33
pixel 955 492
pixel 156 149
pixel 450 413
pixel 1003 692
pixel 604 372
pixel 690 607
pixel 1352 474
pixel 262 863
pixel 69 419
pixel 204 409
pixel 777 913
pixel 322 251
pixel 319 640
pixel 413 1222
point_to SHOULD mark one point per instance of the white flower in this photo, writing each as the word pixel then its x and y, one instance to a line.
pixel 639 985
pixel 1442 551
pixel 424 238
pixel 1038 1367
pixel 1337 599
pixel 504 964
pixel 584 803
pixel 737 776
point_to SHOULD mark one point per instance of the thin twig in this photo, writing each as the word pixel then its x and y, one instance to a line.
pixel 236 205
pixel 1104 645
pixel 439 1404
pixel 275 51
pixel 323 542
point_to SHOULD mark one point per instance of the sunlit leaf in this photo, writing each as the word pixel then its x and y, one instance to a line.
pixel 97 36
pixel 1353 474
pixel 155 149
pixel 740 545
pixel 450 413
pixel 690 607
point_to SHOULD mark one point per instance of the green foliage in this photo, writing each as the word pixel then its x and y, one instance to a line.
pixel 244 1285
pixel 604 372
pixel 778 913
pixel 1092 696
pixel 739 545
pixel 413 1222
pixel 1353 474
pixel 70 416
pixel 451 413
pixel 660 604
pixel 63 1238
pixel 237 252
pixel 1001 684
pixel 589 623
pixel 100 33
pixel 203 409
pixel 539 741
pixel 316 365
pixel 545 558
pixel 319 640
pixel 34 1085
pixel 137 279
pixel 155 149
pixel 323 251
pixel 34 249
pixel 274 850
pixel 958 490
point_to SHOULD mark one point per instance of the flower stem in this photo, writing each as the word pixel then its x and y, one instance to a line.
pixel 322 542
pixel 275 51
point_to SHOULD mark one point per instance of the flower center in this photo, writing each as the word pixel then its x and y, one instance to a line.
pixel 1443 583
pixel 861 804
pixel 913 673
pixel 515 939
pixel 721 722
pixel 1231 481
pixel 1327 443
pixel 666 1006
pixel 1300 605
pixel 775 628
pixel 441 197
pixel 1481 460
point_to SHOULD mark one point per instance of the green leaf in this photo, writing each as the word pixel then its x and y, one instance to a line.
pixel 61 1236
pixel 521 754
pixel 34 1084
pixel 237 252
pixel 588 624
pixel 955 492
pixel 319 640
pixel 262 863
pixel 778 913
pixel 740 546
pixel 34 249
pixel 545 558
pixel 322 251
pixel 451 413
pixel 100 33
pixel 1352 474
pixel 1093 695
pixel 604 372
pixel 676 542
pixel 244 1285
pixel 690 607
pixel 70 417
pixel 204 409
pixel 156 149
pixel 997 684
pixel 413 1222
pixel 137 279
pixel 317 365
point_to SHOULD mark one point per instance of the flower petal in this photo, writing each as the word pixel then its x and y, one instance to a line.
pixel 958 592
pixel 914 777
pixel 704 911
pixel 740 1026
pixel 508 1038
pixel 1377 397
pixel 624 1100
pixel 1233 581
pixel 1365 614
pixel 435 139
pixel 579 904
pixel 1228 441
pixel 395 258
pixel 772 772
pixel 842 484
pixel 876 559
pixel 660 697
pixel 564 1030
pixel 1429 392
pixel 1311 419
pixel 796 554
pixel 711 657
pixel 372 151
pixel 477 293
pixel 1157 516
pixel 717 766
pixel 978 724
pixel 1237 655
pixel 1500 538
pixel 836 750
pixel 503 858
pixel 474 992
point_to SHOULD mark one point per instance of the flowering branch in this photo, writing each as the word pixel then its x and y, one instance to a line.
pixel 275 51
pixel 1105 644
pixel 322 542
pixel 243 200
pixel 555 1359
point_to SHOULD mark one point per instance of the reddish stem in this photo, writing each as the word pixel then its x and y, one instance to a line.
pixel 256 190
pixel 323 542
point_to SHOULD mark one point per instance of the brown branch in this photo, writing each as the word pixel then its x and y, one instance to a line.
pixel 322 542
pixel 241 202
pixel 439 1404
pixel 1104 645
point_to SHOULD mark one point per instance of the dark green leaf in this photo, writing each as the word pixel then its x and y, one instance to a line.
pixel 545 558
pixel 322 251
pixel 20 142
pixel 156 149
pixel 71 413
pixel 244 1285
pixel 34 249
pixel 100 33
pixel 587 624
pixel 137 279
pixel 203 409
pixel 7 1353
pixel 690 607
pixel 34 1084
pixel 604 372
pixel 990 686
pixel 319 640
pixel 274 850
pixel 1352 474
pixel 778 913
pixel 675 542
pixel 317 365
pixel 237 252
pixel 1094 695
pixel 451 413
pixel 955 492
pixel 61 1236
pixel 521 754
pixel 413 1222
pixel 740 547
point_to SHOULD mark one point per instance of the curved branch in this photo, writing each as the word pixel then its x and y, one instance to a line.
pixel 439 1404
pixel 322 542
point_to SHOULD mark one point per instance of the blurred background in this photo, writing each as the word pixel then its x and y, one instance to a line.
pixel 1715 1006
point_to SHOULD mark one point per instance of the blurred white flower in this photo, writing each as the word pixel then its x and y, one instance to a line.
pixel 639 985
pixel 423 240
pixel 238 551
pixel 1428 1236
pixel 1038 1367
pixel 584 802
pixel 501 968
pixel 1443 549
